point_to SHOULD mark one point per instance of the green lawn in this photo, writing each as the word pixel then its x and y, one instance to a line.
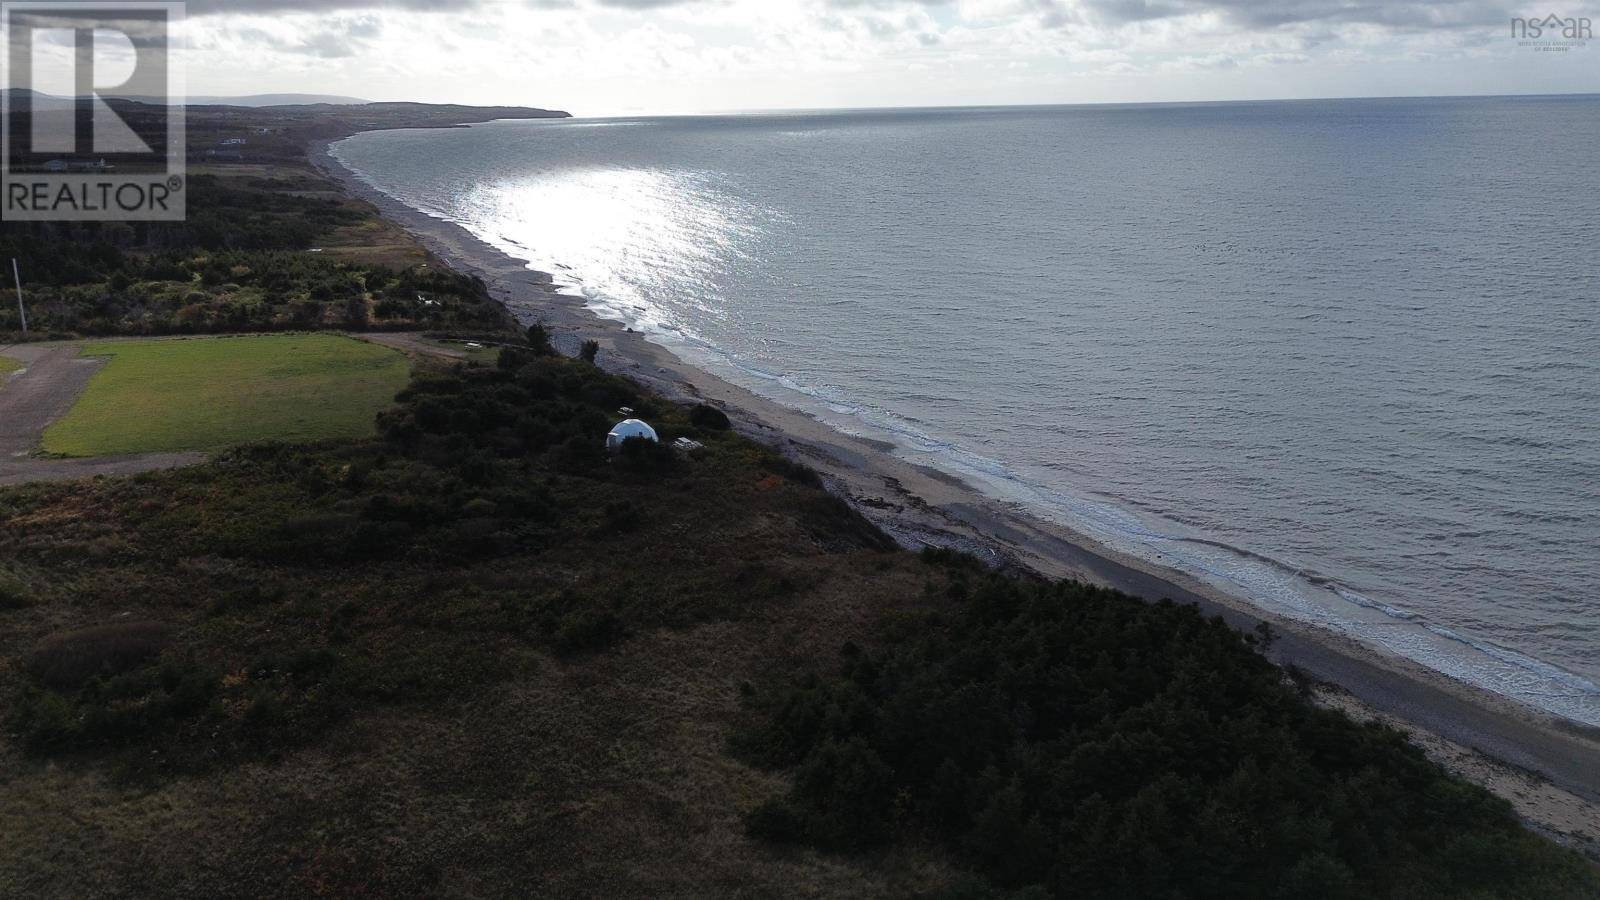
pixel 7 366
pixel 212 393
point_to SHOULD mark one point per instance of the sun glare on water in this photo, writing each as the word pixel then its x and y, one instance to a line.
pixel 642 245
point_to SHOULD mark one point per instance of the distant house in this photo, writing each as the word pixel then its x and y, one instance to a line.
pixel 630 428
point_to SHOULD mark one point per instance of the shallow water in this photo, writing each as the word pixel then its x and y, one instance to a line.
pixel 1337 357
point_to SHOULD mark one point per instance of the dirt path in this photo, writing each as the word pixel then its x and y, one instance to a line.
pixel 41 393
pixel 410 342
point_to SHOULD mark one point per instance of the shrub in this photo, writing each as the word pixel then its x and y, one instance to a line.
pixel 849 790
pixel 539 339
pixel 620 517
pixel 586 629
pixel 591 350
pixel 837 525
pixel 114 711
pixel 13 592
pixel 578 455
pixel 644 456
pixel 709 418
pixel 513 358
pixel 68 661
pixel 799 473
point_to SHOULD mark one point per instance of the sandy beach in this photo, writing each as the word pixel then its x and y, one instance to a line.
pixel 1494 741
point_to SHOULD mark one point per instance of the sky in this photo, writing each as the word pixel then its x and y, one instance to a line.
pixel 624 57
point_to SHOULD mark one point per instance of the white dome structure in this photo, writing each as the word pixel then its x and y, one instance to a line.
pixel 630 428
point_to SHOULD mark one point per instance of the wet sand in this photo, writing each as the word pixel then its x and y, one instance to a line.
pixel 921 506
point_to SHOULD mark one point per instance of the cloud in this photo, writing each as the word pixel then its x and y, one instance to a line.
pixel 680 55
pixel 281 7
pixel 1267 14
pixel 641 4
pixel 1249 14
pixel 286 7
pixel 337 38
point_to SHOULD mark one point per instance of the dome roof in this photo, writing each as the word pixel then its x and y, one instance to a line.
pixel 630 428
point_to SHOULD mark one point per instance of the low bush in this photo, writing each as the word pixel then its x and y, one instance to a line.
pixel 14 593
pixel 644 456
pixel 709 418
pixel 587 629
pixel 68 661
pixel 137 705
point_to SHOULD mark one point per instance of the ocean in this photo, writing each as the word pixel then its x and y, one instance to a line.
pixel 1339 358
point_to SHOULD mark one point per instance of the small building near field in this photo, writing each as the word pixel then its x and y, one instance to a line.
pixel 630 428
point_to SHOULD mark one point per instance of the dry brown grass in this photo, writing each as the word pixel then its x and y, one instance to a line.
pixel 376 242
pixel 600 776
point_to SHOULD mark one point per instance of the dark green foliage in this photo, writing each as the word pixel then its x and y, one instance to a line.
pixel 224 217
pixel 799 473
pixel 587 628
pixel 838 526
pixel 539 339
pixel 848 791
pixel 709 418
pixel 240 263
pixel 1074 740
pixel 952 559
pixel 71 660
pixel 114 711
pixel 589 351
pixel 253 290
pixel 13 591
pixel 643 456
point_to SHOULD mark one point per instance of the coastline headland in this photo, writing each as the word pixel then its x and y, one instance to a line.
pixel 920 506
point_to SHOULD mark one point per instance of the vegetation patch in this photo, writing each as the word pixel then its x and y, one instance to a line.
pixel 8 366
pixel 208 394
pixel 1071 741
pixel 256 253
pixel 71 660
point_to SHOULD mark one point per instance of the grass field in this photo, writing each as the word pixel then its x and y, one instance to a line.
pixel 212 393
pixel 7 366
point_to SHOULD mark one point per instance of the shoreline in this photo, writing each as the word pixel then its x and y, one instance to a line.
pixel 923 506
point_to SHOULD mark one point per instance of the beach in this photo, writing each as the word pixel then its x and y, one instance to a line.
pixel 923 507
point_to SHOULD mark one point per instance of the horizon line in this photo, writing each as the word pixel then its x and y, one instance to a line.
pixel 779 110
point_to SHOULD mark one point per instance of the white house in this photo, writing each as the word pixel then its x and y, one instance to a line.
pixel 630 428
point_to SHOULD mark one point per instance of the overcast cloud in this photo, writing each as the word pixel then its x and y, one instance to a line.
pixel 612 56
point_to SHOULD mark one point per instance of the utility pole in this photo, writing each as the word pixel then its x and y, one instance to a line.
pixel 21 310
